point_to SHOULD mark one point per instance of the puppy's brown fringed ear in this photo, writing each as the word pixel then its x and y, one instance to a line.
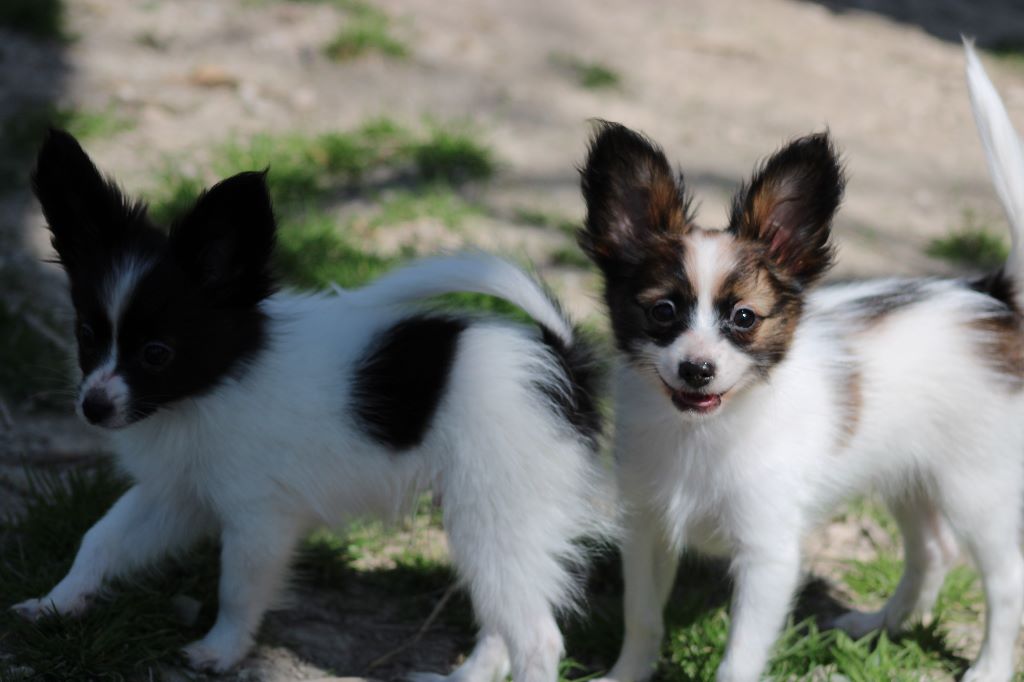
pixel 632 197
pixel 789 204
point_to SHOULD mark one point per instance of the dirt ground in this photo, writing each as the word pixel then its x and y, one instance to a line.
pixel 719 83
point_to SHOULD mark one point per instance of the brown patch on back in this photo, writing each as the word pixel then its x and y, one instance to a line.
pixel 851 400
pixel 1001 345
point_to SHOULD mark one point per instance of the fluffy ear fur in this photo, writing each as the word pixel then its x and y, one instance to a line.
pixel 225 242
pixel 87 213
pixel 632 197
pixel 789 204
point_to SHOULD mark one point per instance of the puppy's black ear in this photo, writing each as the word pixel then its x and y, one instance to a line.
pixel 789 204
pixel 87 214
pixel 224 243
pixel 632 197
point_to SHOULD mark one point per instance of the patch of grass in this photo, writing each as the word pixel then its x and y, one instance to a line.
pixel 312 254
pixel 875 579
pixel 571 257
pixel 33 369
pixel 697 626
pixel 973 245
pixel 126 633
pixel 530 216
pixel 436 202
pixel 1009 51
pixel 366 30
pixel 587 74
pixel 306 170
pixel 451 157
pixel 42 19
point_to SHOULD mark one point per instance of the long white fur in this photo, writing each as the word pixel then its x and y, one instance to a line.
pixel 940 434
pixel 264 458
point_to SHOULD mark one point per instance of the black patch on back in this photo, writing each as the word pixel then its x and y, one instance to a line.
pixel 401 380
pixel 583 375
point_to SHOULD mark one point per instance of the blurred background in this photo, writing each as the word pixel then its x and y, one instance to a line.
pixel 395 128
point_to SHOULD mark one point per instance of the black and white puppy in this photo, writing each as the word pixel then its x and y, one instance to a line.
pixel 750 403
pixel 255 415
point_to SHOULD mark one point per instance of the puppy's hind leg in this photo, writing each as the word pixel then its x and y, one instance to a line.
pixel 986 515
pixel 929 548
pixel 512 515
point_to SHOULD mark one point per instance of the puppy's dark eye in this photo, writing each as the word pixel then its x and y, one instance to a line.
pixel 86 336
pixel 744 318
pixel 663 312
pixel 156 355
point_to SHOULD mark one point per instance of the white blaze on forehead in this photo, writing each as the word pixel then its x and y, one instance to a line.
pixel 120 284
pixel 117 292
pixel 709 259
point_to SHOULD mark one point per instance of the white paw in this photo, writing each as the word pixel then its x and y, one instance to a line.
pixel 983 673
pixel 858 624
pixel 33 609
pixel 212 657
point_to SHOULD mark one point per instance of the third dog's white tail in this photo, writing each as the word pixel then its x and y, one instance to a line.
pixel 1004 152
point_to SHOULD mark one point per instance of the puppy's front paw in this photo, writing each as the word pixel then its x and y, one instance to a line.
pixel 980 672
pixel 33 609
pixel 51 605
pixel 214 654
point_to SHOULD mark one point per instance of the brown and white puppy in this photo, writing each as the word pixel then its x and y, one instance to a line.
pixel 749 402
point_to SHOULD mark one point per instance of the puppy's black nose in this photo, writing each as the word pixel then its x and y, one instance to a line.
pixel 697 374
pixel 97 407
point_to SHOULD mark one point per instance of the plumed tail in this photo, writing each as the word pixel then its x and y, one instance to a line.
pixel 1004 152
pixel 475 273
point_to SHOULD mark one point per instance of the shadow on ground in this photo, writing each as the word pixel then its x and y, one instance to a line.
pixel 996 24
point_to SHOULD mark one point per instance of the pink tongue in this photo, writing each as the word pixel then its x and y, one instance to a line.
pixel 700 401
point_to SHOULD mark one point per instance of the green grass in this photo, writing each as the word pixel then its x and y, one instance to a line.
pixel 41 19
pixel 571 257
pixel 127 632
pixel 306 170
pixel 366 30
pixel 451 157
pixel 133 630
pixel 973 245
pixel 33 369
pixel 587 74
pixel 1009 51
pixel 530 216
pixel 435 202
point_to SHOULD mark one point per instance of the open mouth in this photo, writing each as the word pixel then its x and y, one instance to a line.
pixel 687 401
